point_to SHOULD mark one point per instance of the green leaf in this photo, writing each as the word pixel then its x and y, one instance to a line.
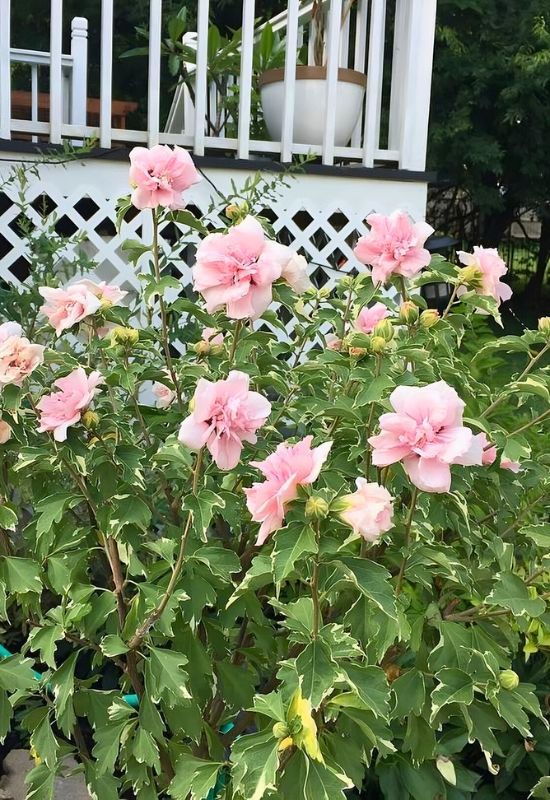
pixel 512 593
pixel 202 505
pixel 237 684
pixel 41 783
pixel 455 686
pixel 371 686
pixel 410 694
pixel 20 575
pixel 318 671
pixel 17 673
pixel 290 546
pixel 62 685
pixel 6 712
pixel 373 391
pixel 52 509
pixel 8 518
pixel 540 534
pixel 194 777
pixel 270 705
pixel 372 580
pixel 126 509
pixel 323 782
pixel 532 384
pixel 44 742
pixel 44 640
pixel 145 749
pixel 419 739
pixel 220 560
pixel 112 645
pixel 165 677
pixel 255 760
pixel 541 790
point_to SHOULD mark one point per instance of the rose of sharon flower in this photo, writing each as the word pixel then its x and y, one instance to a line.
pixel 296 273
pixel 368 318
pixel 18 356
pixel 164 395
pixel 225 414
pixel 66 306
pixel 64 407
pixel 109 295
pixel 8 329
pixel 5 432
pixel 287 468
pixel 333 342
pixel 492 269
pixel 236 270
pixel 394 246
pixel 160 176
pixel 507 463
pixel 212 336
pixel 369 510
pixel 426 433
pixel 482 448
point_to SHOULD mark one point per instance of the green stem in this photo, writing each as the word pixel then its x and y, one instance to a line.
pixel 408 525
pixel 451 301
pixel 532 362
pixel 368 454
pixel 236 333
pixel 532 422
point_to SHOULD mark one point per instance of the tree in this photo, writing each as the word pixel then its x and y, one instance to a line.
pixel 490 124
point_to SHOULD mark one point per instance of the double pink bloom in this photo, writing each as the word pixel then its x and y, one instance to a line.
pixel 369 510
pixel 225 414
pixel 63 408
pixel 66 306
pixel 368 318
pixel 18 356
pixel 160 175
pixel 425 432
pixel 394 246
pixel 492 269
pixel 289 467
pixel 236 270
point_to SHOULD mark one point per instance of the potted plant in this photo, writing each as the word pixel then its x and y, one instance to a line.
pixel 310 92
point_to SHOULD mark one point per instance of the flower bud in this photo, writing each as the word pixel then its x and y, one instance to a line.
pixel 90 420
pixel 202 348
pixel 384 328
pixel 471 276
pixel 280 730
pixel 286 743
pixel 408 313
pixel 5 432
pixel 544 325
pixel 393 671
pixel 236 211
pixel 378 344
pixel 316 507
pixel 508 679
pixel 125 336
pixel 358 352
pixel 429 318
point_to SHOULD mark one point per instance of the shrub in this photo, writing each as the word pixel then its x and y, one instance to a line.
pixel 298 564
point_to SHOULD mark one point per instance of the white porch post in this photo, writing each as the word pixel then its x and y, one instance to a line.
pixel 79 78
pixel 56 77
pixel 417 83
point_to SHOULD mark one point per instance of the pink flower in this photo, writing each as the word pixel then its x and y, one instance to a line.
pixel 64 407
pixel 5 432
pixel 492 268
pixel 160 175
pixel 287 468
pixel 394 246
pixel 236 270
pixel 66 306
pixel 109 295
pixel 369 510
pixel 513 466
pixel 368 318
pixel 480 452
pixel 296 273
pixel 8 329
pixel 211 336
pixel 18 358
pixel 165 396
pixel 225 414
pixel 426 433
pixel 333 342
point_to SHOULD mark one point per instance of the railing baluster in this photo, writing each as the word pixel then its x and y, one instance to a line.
pixel 289 80
pixel 201 87
pixel 5 72
pixel 399 58
pixel 106 75
pixel 56 83
pixel 245 94
pixel 79 76
pixel 344 35
pixel 373 99
pixel 153 93
pixel 361 23
pixel 333 48
pixel 34 96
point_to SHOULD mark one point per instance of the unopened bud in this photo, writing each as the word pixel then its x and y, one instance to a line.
pixel 202 348
pixel 544 325
pixel 316 508
pixel 378 344
pixel 280 730
pixel 408 313
pixel 90 420
pixel 429 318
pixel 191 405
pixel 508 679
pixel 393 671
pixel 385 329
pixel 125 336
pixel 358 352
pixel 471 276
pixel 236 211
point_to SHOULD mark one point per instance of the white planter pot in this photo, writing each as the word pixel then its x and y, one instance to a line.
pixel 309 103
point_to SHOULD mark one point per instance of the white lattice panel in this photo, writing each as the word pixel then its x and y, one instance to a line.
pixel 320 215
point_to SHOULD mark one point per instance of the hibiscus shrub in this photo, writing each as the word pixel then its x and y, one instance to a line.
pixel 311 565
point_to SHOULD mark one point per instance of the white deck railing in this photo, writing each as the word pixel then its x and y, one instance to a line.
pixel 394 119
